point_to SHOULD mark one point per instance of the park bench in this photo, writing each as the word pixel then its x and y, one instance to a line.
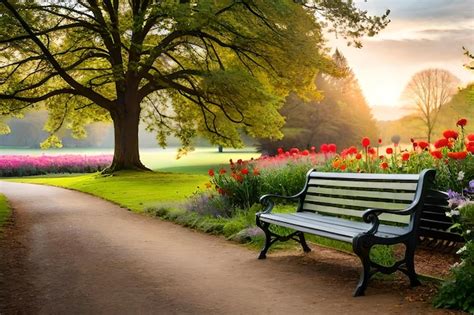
pixel 361 209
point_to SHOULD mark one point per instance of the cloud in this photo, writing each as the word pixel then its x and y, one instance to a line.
pixel 441 10
pixel 423 34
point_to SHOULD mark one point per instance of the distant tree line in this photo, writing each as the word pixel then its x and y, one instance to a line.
pixel 340 115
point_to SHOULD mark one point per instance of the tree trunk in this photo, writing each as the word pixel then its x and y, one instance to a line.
pixel 126 150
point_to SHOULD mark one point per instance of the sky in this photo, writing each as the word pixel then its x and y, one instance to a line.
pixel 422 34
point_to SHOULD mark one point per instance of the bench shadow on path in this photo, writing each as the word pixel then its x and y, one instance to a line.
pixel 339 273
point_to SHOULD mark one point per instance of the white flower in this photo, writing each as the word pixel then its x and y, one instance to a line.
pixel 460 175
pixel 448 214
pixel 468 231
pixel 462 249
pixel 454 212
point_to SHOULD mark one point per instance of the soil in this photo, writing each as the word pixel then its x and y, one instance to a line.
pixel 68 252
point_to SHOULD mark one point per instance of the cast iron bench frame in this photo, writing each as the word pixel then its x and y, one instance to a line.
pixel 328 199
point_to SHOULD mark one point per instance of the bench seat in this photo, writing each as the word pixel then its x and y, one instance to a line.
pixel 361 209
pixel 331 227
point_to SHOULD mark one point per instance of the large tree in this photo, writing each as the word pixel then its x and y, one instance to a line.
pixel 217 68
pixel 427 92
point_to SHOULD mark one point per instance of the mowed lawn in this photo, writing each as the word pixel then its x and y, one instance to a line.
pixel 4 211
pixel 173 180
pixel 195 162
pixel 133 190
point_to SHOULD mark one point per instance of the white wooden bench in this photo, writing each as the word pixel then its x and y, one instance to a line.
pixel 362 209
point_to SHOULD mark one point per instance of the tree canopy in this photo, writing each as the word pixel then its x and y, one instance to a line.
pixel 215 68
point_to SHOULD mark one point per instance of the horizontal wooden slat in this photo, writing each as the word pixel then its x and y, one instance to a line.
pixel 355 213
pixel 364 184
pixel 365 176
pixel 362 193
pixel 437 216
pixel 337 229
pixel 343 238
pixel 387 229
pixel 357 203
pixel 434 224
pixel 440 235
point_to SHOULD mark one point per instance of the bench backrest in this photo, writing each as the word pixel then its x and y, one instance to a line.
pixel 350 194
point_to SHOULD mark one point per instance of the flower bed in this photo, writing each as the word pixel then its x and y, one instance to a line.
pixel 242 182
pixel 21 165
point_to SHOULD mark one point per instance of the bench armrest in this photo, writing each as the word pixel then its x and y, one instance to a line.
pixel 372 216
pixel 268 203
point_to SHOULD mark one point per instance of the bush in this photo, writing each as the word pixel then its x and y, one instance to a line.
pixel 20 165
pixel 457 292
pixel 210 204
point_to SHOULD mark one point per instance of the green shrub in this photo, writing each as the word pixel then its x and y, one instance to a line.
pixel 457 292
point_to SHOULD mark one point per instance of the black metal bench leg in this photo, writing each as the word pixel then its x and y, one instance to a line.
pixel 268 239
pixel 410 263
pixel 361 247
pixel 303 243
pixel 364 276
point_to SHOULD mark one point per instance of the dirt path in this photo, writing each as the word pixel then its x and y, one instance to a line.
pixel 73 253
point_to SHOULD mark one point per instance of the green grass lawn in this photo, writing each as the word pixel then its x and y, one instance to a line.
pixel 4 210
pixel 133 190
pixel 173 181
pixel 195 162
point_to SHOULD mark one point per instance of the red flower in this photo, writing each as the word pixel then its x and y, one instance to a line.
pixel 461 122
pixel 332 148
pixel 313 148
pixel 450 134
pixel 437 154
pixel 245 171
pixel 324 148
pixel 211 172
pixel 405 156
pixel 280 151
pixel 342 167
pixel 239 161
pixel 256 172
pixel 365 142
pixel 441 143
pixel 372 151
pixel 358 156
pixel 222 171
pixel 380 141
pixel 389 150
pixel 470 147
pixel 384 165
pixel 294 151
pixel 457 155
pixel 470 137
pixel 415 144
pixel 423 144
pixel 305 152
